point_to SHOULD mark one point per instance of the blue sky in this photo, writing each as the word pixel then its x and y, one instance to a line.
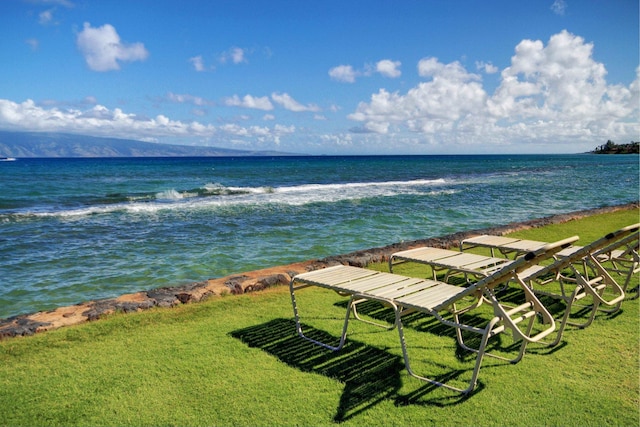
pixel 326 77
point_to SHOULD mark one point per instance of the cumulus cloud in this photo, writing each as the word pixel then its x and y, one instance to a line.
pixel 287 102
pixel 558 7
pixel 99 120
pixel 188 99
pixel 45 17
pixel 343 73
pixel 560 78
pixel 389 68
pixel 102 48
pixel 431 106
pixel 198 63
pixel 551 92
pixel 347 74
pixel 248 101
pixel 487 67
pixel 235 55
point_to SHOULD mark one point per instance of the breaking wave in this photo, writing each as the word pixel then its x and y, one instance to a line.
pixel 212 195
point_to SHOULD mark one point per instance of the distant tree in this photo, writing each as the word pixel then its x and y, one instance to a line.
pixel 612 148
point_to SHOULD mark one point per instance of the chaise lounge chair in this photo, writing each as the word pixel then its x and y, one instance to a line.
pixel 592 279
pixel 507 246
pixel 622 258
pixel 471 266
pixel 578 272
pixel 446 303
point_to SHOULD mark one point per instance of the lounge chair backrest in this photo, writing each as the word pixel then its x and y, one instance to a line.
pixel 508 271
pixel 614 238
pixel 611 240
pixel 625 236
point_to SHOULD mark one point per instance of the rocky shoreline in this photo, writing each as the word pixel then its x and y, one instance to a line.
pixel 253 281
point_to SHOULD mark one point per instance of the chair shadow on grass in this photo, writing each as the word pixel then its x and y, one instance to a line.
pixel 430 325
pixel 370 374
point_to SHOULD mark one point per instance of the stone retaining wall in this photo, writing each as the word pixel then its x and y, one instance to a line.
pixel 29 324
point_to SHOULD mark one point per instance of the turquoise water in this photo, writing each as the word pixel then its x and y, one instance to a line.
pixel 73 230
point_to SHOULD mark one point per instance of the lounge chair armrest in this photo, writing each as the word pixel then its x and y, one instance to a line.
pixel 512 316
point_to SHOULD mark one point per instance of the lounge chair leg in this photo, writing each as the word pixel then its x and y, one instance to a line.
pixel 476 370
pixel 296 315
pixel 589 321
pixel 565 318
pixel 466 347
pixel 523 346
pixel 357 316
pixel 596 289
pixel 632 268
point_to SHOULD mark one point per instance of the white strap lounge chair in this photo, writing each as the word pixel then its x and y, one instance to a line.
pixel 619 257
pixel 622 257
pixel 590 280
pixel 447 303
pixel 451 262
pixel 507 246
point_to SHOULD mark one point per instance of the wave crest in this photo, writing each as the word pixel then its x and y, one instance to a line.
pixel 215 194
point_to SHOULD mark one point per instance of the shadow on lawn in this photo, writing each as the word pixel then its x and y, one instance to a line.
pixel 370 375
pixel 424 323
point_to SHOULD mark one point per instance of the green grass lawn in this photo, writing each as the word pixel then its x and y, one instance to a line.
pixel 236 360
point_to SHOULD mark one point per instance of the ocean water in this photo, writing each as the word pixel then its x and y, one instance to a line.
pixel 73 230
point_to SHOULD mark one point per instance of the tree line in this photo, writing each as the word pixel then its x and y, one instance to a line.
pixel 612 148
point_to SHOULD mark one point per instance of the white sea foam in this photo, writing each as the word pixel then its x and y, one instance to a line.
pixel 358 185
pixel 174 195
pixel 295 195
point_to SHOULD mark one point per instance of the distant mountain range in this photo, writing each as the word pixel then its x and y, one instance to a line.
pixel 35 144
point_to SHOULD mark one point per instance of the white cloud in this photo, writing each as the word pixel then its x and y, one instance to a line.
pixel 431 106
pixel 236 55
pixel 65 3
pixel 234 129
pixel 33 43
pixel 188 99
pixel 98 121
pixel 283 130
pixel 558 7
pixel 431 67
pixel 45 17
pixel 249 101
pixel 343 73
pixel 286 101
pixel 561 78
pixel 389 68
pixel 487 67
pixel 102 48
pixel 102 121
pixel 347 74
pixel 198 63
pixel 548 94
